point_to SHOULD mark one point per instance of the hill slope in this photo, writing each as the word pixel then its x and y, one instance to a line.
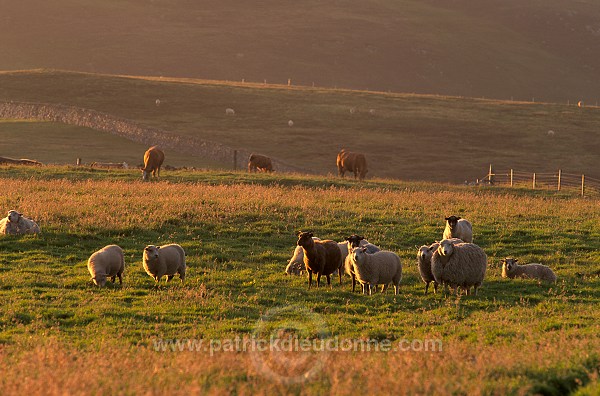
pixel 548 50
pixel 403 136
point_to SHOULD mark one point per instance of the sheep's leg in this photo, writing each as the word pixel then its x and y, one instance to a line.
pixel 113 278
pixel 340 273
pixel 353 282
pixel 120 275
pixel 329 281
pixel 318 279
pixel 426 286
pixel 435 287
pixel 396 289
pixel 169 277
pixel 384 288
pixel 309 278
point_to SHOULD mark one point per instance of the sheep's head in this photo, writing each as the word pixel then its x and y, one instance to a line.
pixel 508 265
pixel 305 239
pixel 358 253
pixel 446 248
pixel 13 216
pixel 145 174
pixel 99 280
pixel 151 252
pixel 452 220
pixel 423 253
pixel 354 240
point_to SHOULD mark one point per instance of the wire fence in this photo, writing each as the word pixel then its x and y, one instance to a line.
pixel 585 186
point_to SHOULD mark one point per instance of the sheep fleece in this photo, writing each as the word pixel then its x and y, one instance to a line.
pixel 465 267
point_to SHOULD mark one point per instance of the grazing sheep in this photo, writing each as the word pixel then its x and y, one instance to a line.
pixel 320 257
pixel 424 255
pixel 458 228
pixel 510 269
pixel 352 162
pixel 106 262
pixel 258 162
pixel 153 160
pixel 164 260
pixel 229 111
pixel 351 242
pixel 16 224
pixel 374 269
pixel 459 265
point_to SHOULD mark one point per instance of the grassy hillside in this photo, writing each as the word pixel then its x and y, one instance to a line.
pixel 546 50
pixel 56 143
pixel 403 136
pixel 239 231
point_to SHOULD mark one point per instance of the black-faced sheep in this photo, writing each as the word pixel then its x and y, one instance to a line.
pixel 458 228
pixel 16 224
pixel 424 255
pixel 159 261
pixel 459 265
pixel 106 262
pixel 320 257
pixel 510 269
pixel 375 269
pixel 351 242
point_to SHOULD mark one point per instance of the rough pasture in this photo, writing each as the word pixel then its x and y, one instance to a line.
pixel 238 230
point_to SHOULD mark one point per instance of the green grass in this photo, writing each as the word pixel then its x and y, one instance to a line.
pixel 238 231
pixel 409 137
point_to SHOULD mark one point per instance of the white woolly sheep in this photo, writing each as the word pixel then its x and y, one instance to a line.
pixel 375 269
pixel 15 223
pixel 461 265
pixel 458 228
pixel 351 242
pixel 510 269
pixel 164 260
pixel 424 255
pixel 229 111
pixel 106 262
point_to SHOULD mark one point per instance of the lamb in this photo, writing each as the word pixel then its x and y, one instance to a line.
pixel 106 262
pixel 459 265
pixel 424 255
pixel 159 261
pixel 382 267
pixel 16 224
pixel 458 228
pixel 320 257
pixel 510 269
pixel 351 242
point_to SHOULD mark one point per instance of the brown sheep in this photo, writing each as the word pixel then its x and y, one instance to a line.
pixel 153 159
pixel 260 162
pixel 352 162
pixel 320 257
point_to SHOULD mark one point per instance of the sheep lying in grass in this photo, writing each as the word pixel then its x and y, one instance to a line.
pixel 164 260
pixel 459 265
pixel 106 262
pixel 458 228
pixel 375 269
pixel 16 224
pixel 320 257
pixel 424 255
pixel 510 269
pixel 351 242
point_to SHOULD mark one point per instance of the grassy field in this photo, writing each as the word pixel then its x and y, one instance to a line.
pixel 547 50
pixel 408 137
pixel 60 334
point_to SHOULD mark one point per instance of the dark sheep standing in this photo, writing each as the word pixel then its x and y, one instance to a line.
pixel 352 162
pixel 320 257
pixel 260 162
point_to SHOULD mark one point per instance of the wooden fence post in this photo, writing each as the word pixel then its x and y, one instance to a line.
pixel 490 176
pixel 583 185
pixel 78 162
pixel 511 177
pixel 534 181
pixel 559 174
pixel 234 159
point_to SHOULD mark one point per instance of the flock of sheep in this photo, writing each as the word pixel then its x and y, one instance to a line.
pixel 454 262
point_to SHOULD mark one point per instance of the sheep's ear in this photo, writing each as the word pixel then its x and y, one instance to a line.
pixel 346 238
pixel 515 260
pixel 147 248
pixel 458 217
pixel 360 237
pixel 299 232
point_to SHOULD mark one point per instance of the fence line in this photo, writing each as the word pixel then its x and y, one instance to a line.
pixel 558 181
pixel 131 130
